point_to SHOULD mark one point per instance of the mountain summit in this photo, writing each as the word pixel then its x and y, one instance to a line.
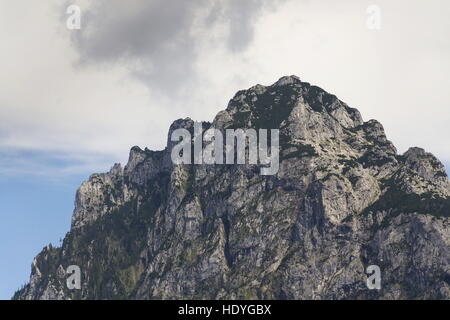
pixel 342 200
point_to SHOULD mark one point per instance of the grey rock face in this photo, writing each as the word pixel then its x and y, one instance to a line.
pixel 343 199
pixel 98 196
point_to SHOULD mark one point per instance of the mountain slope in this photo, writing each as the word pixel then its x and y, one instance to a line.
pixel 342 199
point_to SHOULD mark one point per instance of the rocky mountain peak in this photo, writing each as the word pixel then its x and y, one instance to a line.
pixel 288 80
pixel 342 199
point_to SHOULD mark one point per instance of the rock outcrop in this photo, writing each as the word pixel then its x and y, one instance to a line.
pixel 343 199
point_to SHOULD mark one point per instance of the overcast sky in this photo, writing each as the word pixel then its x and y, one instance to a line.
pixel 135 66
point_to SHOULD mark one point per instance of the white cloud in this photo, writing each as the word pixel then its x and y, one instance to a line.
pixel 397 75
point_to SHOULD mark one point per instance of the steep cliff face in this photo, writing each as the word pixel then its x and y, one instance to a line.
pixel 342 199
